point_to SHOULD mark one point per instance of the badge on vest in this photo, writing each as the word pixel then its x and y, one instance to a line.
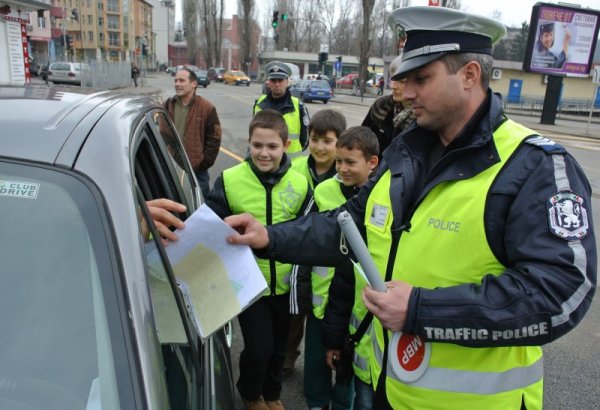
pixel 567 216
pixel 409 356
pixel 379 215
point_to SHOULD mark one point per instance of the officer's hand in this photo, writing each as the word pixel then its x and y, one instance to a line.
pixel 331 357
pixel 389 307
pixel 252 232
pixel 160 211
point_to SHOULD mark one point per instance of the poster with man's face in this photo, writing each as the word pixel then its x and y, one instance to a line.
pixel 561 40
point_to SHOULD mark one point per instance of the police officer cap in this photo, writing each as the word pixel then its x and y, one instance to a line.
pixel 432 32
pixel 276 69
pixel 547 28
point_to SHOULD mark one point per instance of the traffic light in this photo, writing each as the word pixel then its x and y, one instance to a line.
pixel 276 38
pixel 68 42
pixel 275 19
pixel 323 57
pixel 284 17
pixel 144 50
pixel 339 58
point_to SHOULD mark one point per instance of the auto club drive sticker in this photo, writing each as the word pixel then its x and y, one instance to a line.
pixel 18 189
pixel 567 216
pixel 409 356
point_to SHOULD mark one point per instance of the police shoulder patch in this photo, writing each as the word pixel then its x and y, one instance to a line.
pixel 549 146
pixel 567 216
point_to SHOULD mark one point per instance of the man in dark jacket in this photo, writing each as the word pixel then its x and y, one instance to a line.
pixel 197 124
pixel 279 99
pixel 389 115
pixel 480 227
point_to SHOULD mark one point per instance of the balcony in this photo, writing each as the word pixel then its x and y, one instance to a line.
pixel 56 32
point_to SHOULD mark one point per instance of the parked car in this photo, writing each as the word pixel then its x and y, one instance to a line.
pixel 236 78
pixel 309 90
pixel 376 77
pixel 216 74
pixel 92 316
pixel 220 74
pixel 203 79
pixel 188 66
pixel 346 81
pixel 66 72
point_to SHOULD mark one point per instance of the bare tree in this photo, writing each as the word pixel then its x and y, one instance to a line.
pixel 246 12
pixel 365 43
pixel 208 35
pixel 190 11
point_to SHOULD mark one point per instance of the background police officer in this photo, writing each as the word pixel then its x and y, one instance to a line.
pixel 279 98
pixel 481 228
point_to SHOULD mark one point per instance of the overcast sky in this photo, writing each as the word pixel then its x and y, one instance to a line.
pixel 514 12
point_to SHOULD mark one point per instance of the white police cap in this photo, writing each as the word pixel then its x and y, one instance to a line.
pixel 277 69
pixel 432 32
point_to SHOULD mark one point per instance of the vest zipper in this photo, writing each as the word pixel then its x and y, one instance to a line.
pixel 269 207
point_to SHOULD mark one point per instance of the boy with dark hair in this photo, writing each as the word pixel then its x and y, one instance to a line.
pixel 265 186
pixel 323 130
pixel 357 152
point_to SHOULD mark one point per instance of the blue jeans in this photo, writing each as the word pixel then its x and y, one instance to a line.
pixel 203 180
pixel 319 390
pixel 364 395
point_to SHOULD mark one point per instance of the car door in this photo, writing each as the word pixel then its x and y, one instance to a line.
pixel 199 373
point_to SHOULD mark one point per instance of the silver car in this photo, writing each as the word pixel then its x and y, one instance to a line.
pixel 66 72
pixel 92 316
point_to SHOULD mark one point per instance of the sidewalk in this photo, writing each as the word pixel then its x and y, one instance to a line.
pixel 575 126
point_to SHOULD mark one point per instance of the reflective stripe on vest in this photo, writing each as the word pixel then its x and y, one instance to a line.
pixel 328 195
pixel 245 193
pixel 447 224
pixel 292 119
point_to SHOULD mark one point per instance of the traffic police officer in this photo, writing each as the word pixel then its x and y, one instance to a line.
pixel 481 227
pixel 279 98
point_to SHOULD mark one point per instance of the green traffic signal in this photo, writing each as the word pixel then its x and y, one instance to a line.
pixel 284 17
pixel 275 24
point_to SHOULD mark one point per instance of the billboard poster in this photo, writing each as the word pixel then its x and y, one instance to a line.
pixel 561 40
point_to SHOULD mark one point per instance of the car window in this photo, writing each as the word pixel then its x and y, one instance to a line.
pixel 319 84
pixel 180 167
pixel 61 324
pixel 160 172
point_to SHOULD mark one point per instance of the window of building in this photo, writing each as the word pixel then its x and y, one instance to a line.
pixel 112 6
pixel 100 21
pixel 113 39
pixel 90 36
pixel 113 22
pixel 41 22
pixel 90 19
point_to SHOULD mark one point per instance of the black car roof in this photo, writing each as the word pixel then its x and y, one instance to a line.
pixel 37 121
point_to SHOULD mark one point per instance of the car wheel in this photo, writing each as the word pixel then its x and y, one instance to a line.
pixel 325 101
pixel 247 84
pixel 303 98
pixel 205 85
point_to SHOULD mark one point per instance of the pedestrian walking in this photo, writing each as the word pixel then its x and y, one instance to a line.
pixel 135 73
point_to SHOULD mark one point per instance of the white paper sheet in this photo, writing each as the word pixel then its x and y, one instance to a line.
pixel 222 279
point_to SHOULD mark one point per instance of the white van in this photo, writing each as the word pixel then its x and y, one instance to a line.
pixel 295 70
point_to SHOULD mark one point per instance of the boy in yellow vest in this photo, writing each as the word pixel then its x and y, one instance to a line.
pixel 265 186
pixel 357 152
pixel 324 129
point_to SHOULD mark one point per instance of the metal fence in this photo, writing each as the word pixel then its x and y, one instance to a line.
pixel 106 75
pixel 567 106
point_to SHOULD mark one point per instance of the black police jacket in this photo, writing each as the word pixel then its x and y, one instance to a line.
pixel 547 279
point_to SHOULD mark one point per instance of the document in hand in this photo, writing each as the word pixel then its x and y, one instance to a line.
pixel 218 280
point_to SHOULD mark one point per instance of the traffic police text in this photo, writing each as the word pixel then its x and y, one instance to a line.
pixel 463 333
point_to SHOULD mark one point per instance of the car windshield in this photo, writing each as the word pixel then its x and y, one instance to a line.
pixel 238 73
pixel 56 349
pixel 201 73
